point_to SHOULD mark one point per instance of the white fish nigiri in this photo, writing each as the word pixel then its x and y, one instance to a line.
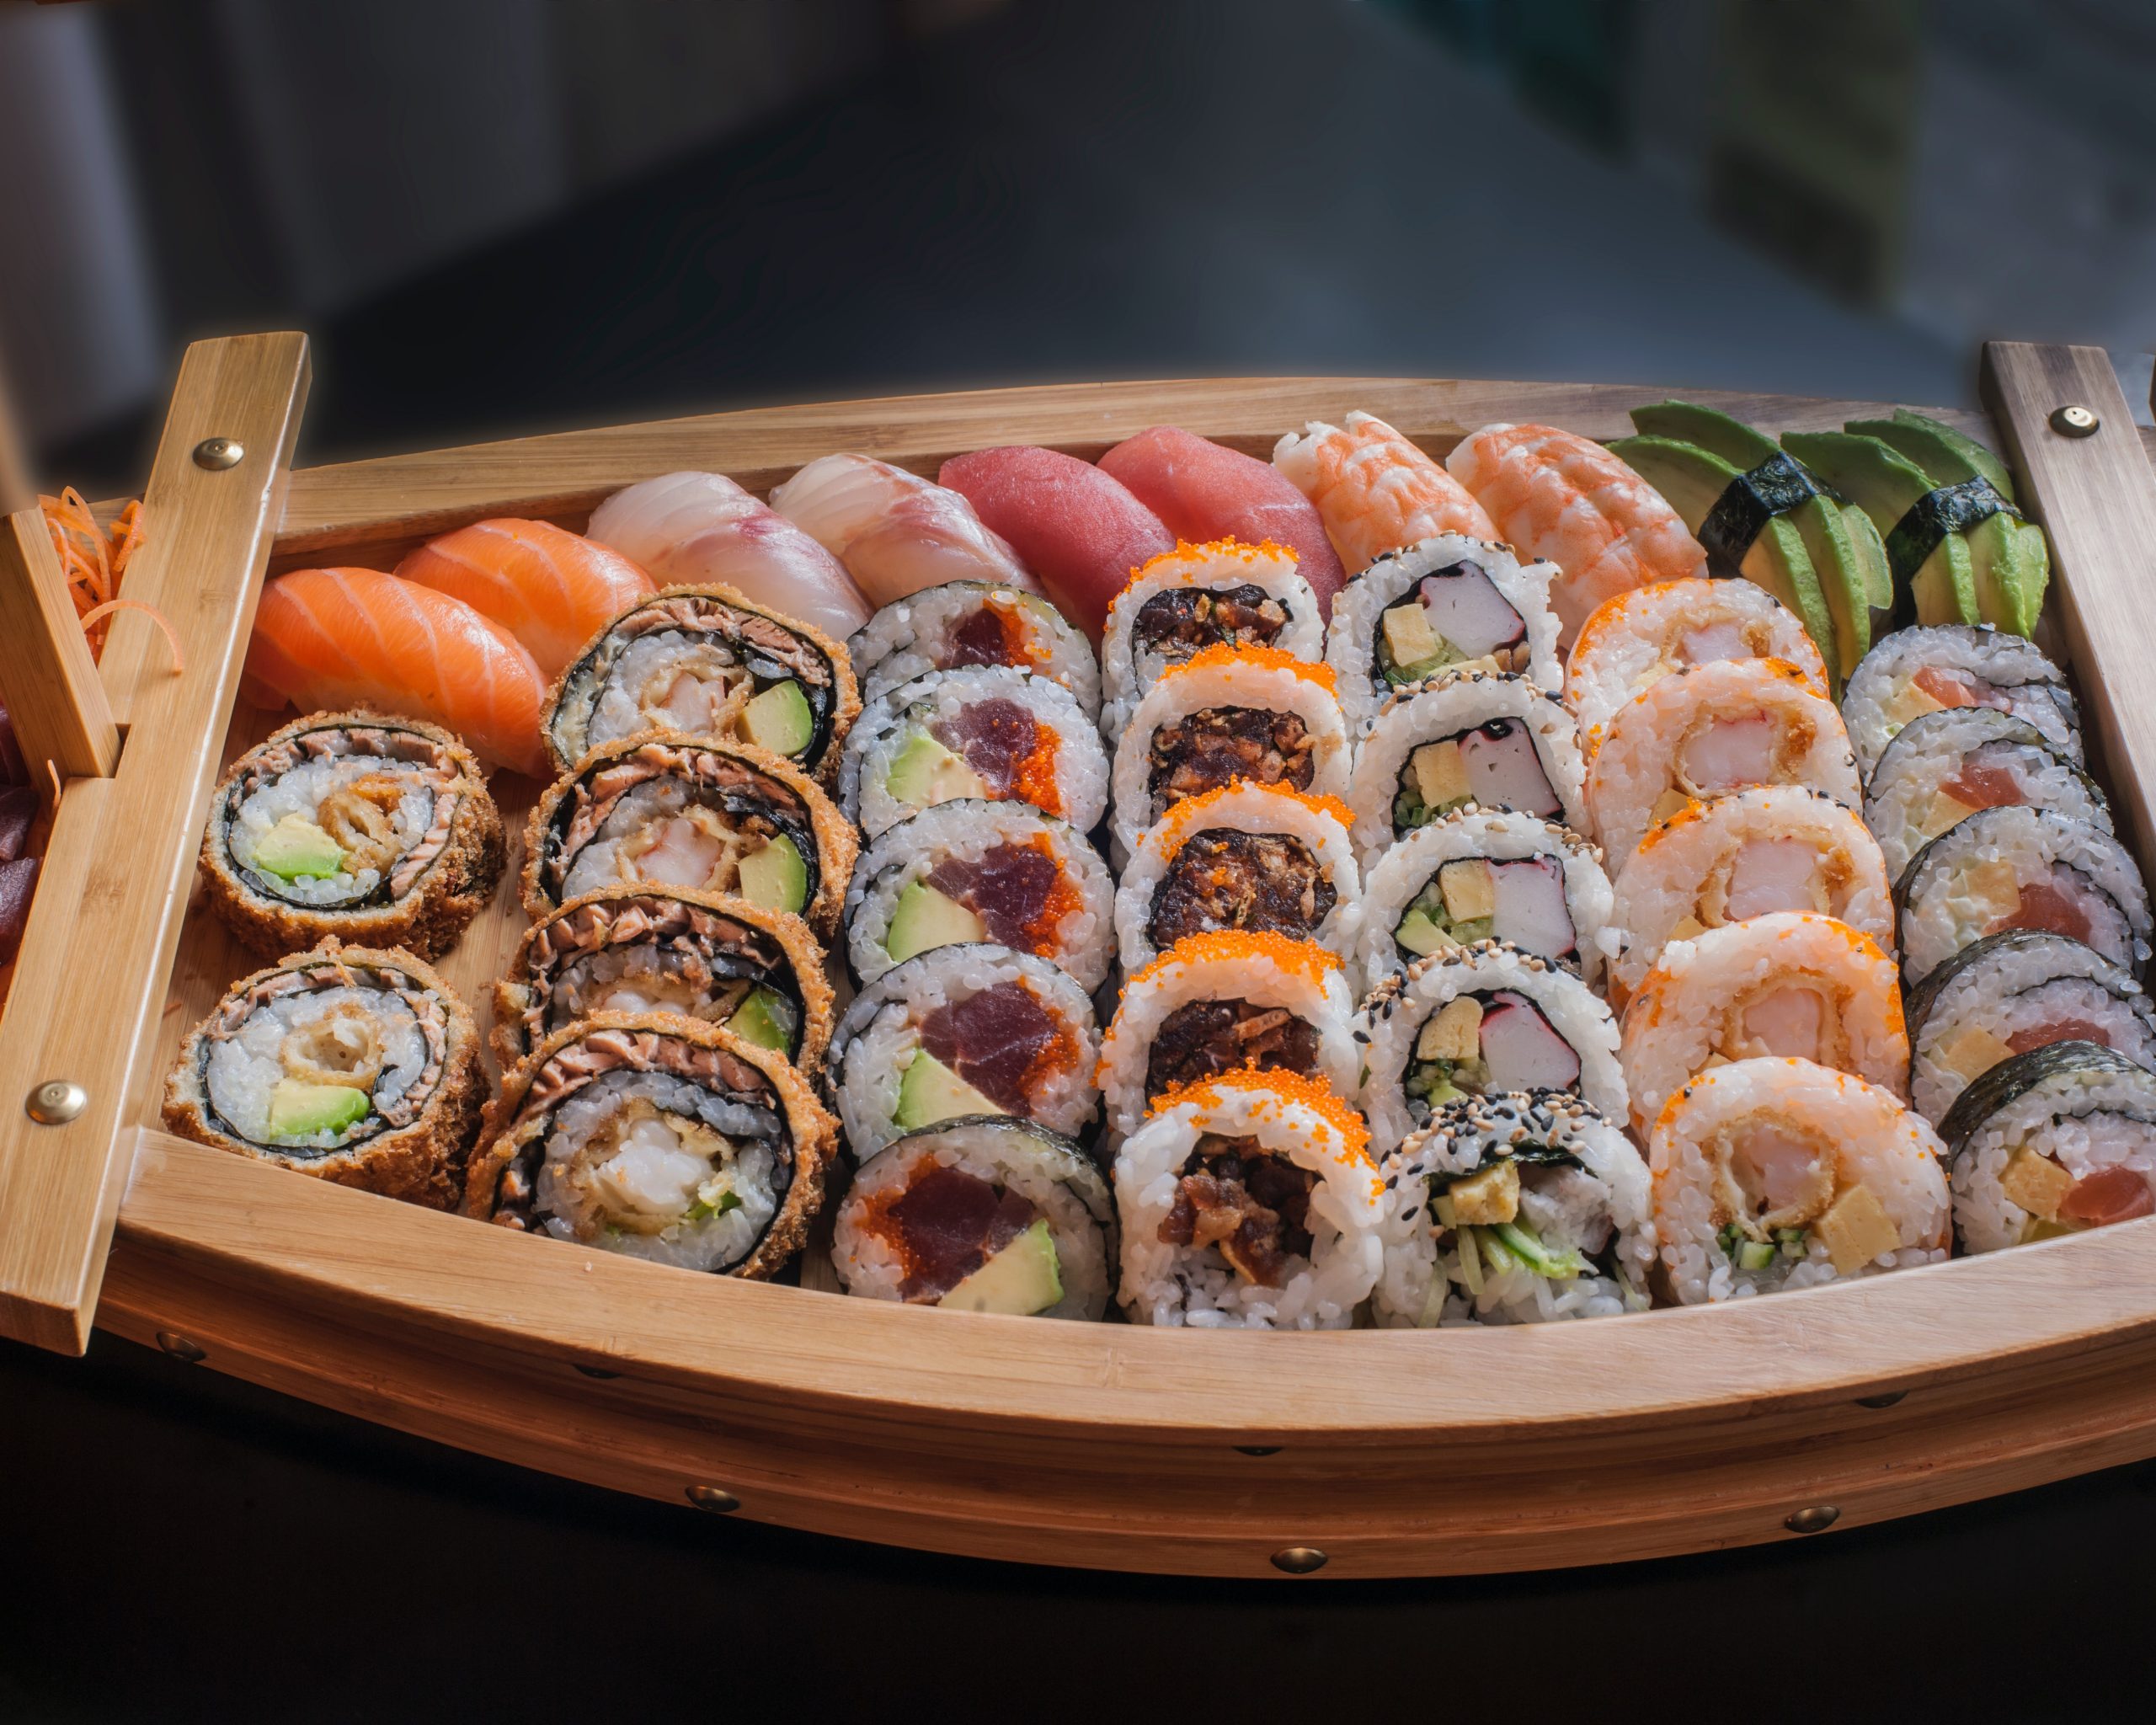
pixel 698 528
pixel 896 532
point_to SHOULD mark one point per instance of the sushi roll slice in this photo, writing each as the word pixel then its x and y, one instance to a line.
pixel 1786 985
pixel 2015 868
pixel 1473 875
pixel 2012 994
pixel 983 733
pixel 2051 1142
pixel 1778 847
pixel 1229 712
pixel 657 1137
pixel 966 1030
pixel 1480 738
pixel 1215 1003
pixel 1196 596
pixel 1943 767
pixel 973 622
pixel 353 1065
pixel 1249 1201
pixel 1447 605
pixel 1719 727
pixel 355 827
pixel 1516 1208
pixel 703 662
pixel 1915 671
pixel 671 949
pixel 1640 637
pixel 968 871
pixel 982 1213
pixel 1773 1174
pixel 1256 858
pixel 1480 1021
pixel 669 810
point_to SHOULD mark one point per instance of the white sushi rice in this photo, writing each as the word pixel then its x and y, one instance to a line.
pixel 301 792
pixel 244 1070
pixel 1881 698
pixel 2084 1120
pixel 913 635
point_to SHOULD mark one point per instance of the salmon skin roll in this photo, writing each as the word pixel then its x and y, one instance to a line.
pixel 668 810
pixel 704 662
pixel 656 1137
pixel 1773 1174
pixel 355 1065
pixel 349 825
pixel 1374 489
pixel 973 622
pixel 980 1214
pixel 1916 671
pixel 632 949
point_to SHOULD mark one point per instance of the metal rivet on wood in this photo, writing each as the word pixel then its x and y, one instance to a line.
pixel 177 1346
pixel 1817 1519
pixel 219 453
pixel 1299 1560
pixel 2074 422
pixel 716 1498
pixel 56 1101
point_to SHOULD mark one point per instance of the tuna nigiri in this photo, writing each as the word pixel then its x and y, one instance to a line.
pixel 1375 490
pixel 895 532
pixel 551 589
pixel 337 638
pixel 1206 491
pixel 698 528
pixel 1077 529
pixel 1564 497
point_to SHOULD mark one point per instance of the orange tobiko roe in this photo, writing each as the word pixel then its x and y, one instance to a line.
pixel 1224 653
pixel 1313 1094
pixel 1300 958
pixel 1063 898
pixel 1189 816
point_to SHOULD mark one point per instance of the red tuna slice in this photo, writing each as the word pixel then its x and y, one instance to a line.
pixel 1204 490
pixel 1073 526
pixel 996 1040
pixel 951 1223
pixel 2107 1195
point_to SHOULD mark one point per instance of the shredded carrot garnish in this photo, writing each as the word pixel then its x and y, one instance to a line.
pixel 94 560
pixel 97 612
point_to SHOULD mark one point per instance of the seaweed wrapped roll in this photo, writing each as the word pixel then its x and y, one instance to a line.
pixel 973 622
pixel 1915 671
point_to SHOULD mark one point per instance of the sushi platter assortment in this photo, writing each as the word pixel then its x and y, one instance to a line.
pixel 1352 889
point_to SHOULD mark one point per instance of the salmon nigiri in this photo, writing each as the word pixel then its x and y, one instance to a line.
pixel 1377 491
pixel 551 589
pixel 895 531
pixel 698 528
pixel 338 638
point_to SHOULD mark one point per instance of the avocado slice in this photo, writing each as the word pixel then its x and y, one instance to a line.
pixel 775 877
pixel 1420 936
pixel 925 773
pixel 299 1109
pixel 1878 573
pixel 1024 1278
pixel 931 1091
pixel 923 918
pixel 766 1018
pixel 1926 432
pixel 296 847
pixel 779 720
pixel 1885 485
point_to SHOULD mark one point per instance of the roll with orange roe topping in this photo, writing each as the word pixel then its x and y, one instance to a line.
pixel 1248 1200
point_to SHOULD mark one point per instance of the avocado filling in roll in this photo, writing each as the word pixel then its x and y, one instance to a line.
pixel 1179 623
pixel 1251 1206
pixel 1202 1039
pixel 1215 746
pixel 1454 615
pixel 1494 765
pixel 1535 1211
pixel 1224 880
pixel 995 749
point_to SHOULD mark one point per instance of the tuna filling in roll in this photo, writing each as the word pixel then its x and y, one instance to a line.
pixel 1202 1039
pixel 1254 1207
pixel 1216 746
pixel 1270 883
pixel 1477 898
pixel 1183 622
pixel 1015 894
pixel 1494 766
pixel 1479 1044
pixel 1454 615
pixel 1002 1042
pixel 945 1225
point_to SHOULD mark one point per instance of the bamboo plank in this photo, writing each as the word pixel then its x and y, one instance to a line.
pixel 47 676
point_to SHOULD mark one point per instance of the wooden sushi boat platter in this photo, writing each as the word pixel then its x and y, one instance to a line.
pixel 1366 1453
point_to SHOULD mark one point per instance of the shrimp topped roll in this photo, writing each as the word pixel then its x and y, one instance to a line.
pixel 1773 1174
pixel 973 622
pixel 1375 490
pixel 657 1137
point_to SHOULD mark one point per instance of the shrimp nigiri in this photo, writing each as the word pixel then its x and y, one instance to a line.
pixel 1566 500
pixel 551 589
pixel 1376 491
pixel 338 638
pixel 698 528
pixel 895 531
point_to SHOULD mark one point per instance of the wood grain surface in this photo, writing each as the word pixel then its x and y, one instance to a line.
pixel 47 677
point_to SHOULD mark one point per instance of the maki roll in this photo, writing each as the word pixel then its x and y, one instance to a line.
pixel 2012 994
pixel 973 622
pixel 1176 605
pixel 352 826
pixel 1515 1208
pixel 982 1213
pixel 1943 767
pixel 1471 876
pixel 1477 739
pixel 1772 1174
pixel 1229 713
pixel 1480 1021
pixel 2015 868
pixel 660 1138
pixel 2052 1142
pixel 1719 727
pixel 1787 984
pixel 355 1065
pixel 968 872
pixel 1249 1201
pixel 671 811
pixel 1257 857
pixel 962 1031
pixel 1778 847
pixel 1916 671
pixel 704 662
pixel 1447 605
pixel 668 949
pixel 984 733
pixel 1213 1003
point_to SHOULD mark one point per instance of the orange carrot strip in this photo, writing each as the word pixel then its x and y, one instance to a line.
pixel 99 612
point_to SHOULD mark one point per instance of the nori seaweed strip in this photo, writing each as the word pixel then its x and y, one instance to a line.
pixel 1748 503
pixel 2009 1081
pixel 1951 509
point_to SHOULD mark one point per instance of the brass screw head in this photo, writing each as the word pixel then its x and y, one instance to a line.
pixel 2074 422
pixel 716 1498
pixel 56 1101
pixel 180 1348
pixel 1299 1560
pixel 1817 1519
pixel 218 453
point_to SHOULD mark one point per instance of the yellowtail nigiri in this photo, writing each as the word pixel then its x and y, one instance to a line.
pixel 895 531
